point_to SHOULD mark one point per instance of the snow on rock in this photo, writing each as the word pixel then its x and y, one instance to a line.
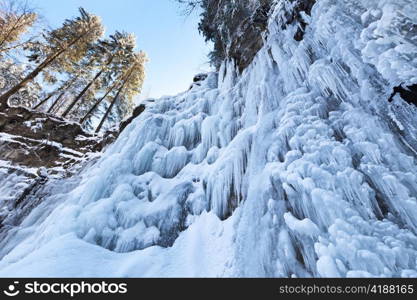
pixel 294 168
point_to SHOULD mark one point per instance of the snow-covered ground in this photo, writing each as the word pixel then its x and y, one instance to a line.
pixel 298 167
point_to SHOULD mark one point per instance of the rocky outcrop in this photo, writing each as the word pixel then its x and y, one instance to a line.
pixel 407 93
pixel 136 113
pixel 248 38
pixel 31 139
pixel 235 28
pixel 238 28
pixel 36 148
pixel 295 15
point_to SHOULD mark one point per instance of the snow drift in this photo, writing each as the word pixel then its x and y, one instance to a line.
pixel 298 167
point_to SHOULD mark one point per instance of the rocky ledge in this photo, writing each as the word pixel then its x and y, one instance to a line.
pixel 30 140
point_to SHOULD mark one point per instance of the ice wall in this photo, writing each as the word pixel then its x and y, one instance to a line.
pixel 298 167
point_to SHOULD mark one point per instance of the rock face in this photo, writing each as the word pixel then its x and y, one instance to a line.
pixel 34 140
pixel 235 28
pixel 136 112
pixel 248 40
pixel 408 93
pixel 296 15
pixel 36 148
pixel 239 29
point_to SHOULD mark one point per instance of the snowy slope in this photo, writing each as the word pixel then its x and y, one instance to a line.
pixel 297 167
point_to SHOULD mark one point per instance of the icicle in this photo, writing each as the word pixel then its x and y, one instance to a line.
pixel 224 186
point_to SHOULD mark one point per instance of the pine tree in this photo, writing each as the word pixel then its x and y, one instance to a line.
pixel 110 55
pixel 60 91
pixel 73 78
pixel 60 49
pixel 130 85
pixel 11 73
pixel 99 101
pixel 15 20
pixel 228 25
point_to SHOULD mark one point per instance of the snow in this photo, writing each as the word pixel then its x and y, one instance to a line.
pixel 291 169
pixel 35 125
pixel 10 138
pixel 326 267
pixel 304 227
pixel 206 256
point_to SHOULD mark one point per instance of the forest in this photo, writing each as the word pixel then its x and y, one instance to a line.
pixel 74 71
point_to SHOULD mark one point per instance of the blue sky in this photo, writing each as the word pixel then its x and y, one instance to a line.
pixel 175 48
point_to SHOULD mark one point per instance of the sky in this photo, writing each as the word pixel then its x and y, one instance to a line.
pixel 175 49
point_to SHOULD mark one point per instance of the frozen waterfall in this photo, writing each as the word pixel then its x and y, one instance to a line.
pixel 298 167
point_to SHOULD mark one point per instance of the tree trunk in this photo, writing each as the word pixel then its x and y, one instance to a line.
pixel 91 110
pixel 44 100
pixel 108 111
pixel 14 27
pixel 56 101
pixel 32 75
pixel 100 100
pixel 5 97
pixel 80 95
pixel 63 87
pixel 114 101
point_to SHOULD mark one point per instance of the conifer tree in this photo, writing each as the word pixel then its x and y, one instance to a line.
pixel 11 73
pixel 99 101
pixel 130 85
pixel 60 48
pixel 74 77
pixel 110 55
pixel 15 19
